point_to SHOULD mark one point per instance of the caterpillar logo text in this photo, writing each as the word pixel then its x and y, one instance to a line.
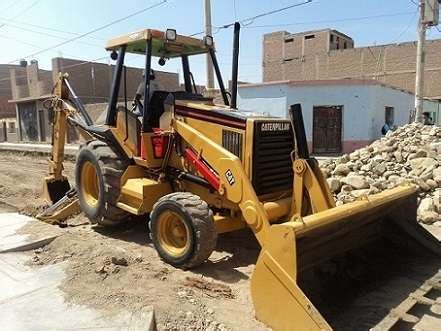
pixel 277 126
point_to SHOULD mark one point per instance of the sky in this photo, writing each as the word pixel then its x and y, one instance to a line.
pixel 31 26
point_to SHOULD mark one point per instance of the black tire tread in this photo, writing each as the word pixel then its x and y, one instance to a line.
pixel 203 224
pixel 112 167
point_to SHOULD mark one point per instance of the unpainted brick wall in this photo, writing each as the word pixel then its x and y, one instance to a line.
pixel 392 64
pixel 92 81
pixel 6 109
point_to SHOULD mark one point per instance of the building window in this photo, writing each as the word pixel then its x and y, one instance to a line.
pixel 345 45
pixel 311 36
pixel 331 38
pixel 289 40
pixel 389 115
pixel 11 127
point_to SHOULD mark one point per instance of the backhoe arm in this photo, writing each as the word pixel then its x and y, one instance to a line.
pixel 56 184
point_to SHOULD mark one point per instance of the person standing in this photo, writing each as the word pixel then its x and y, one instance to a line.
pixel 427 120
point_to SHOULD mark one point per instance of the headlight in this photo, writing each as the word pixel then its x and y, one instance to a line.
pixel 170 34
pixel 208 41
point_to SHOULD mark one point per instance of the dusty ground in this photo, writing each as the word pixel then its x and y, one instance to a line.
pixel 114 269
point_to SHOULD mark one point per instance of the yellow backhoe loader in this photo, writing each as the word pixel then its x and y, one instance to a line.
pixel 196 169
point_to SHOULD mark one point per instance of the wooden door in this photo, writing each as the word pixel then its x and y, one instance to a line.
pixel 327 125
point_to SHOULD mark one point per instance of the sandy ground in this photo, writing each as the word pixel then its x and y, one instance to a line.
pixel 119 268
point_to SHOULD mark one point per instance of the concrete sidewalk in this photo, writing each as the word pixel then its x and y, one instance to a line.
pixel 21 233
pixel 29 296
pixel 70 150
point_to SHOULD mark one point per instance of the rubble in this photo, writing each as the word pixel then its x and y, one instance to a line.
pixel 411 154
pixel 122 261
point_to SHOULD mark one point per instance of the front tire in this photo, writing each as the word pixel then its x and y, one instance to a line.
pixel 182 229
pixel 98 172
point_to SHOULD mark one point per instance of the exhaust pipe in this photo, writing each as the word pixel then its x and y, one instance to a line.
pixel 235 72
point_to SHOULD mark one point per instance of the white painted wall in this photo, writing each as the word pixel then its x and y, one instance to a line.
pixel 434 108
pixel 270 99
pixel 402 102
pixel 363 105
pixel 354 99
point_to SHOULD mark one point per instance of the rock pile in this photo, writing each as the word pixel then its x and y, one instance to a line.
pixel 410 154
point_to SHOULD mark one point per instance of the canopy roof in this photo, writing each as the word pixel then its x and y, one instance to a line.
pixel 136 43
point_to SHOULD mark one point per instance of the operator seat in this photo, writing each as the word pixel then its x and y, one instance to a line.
pixel 156 108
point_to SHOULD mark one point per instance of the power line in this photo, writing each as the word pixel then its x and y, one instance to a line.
pixel 92 31
pixel 331 21
pixel 406 28
pixel 13 4
pixel 51 35
pixel 30 44
pixel 19 41
pixel 253 18
pixel 8 20
pixel 23 11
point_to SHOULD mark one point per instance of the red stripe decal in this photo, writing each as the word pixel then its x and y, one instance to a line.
pixel 212 118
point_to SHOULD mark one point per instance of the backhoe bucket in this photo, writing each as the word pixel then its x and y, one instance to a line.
pixel 299 244
pixel 63 207
pixel 55 189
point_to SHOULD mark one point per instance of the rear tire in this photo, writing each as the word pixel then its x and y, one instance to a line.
pixel 98 172
pixel 182 229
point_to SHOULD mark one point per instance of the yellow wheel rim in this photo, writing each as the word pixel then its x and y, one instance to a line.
pixel 89 183
pixel 173 234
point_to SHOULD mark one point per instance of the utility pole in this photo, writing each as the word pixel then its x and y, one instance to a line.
pixel 209 32
pixel 419 80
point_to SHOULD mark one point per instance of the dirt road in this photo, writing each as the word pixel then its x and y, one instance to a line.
pixel 115 269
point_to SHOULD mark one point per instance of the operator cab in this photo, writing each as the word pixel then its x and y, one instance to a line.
pixel 148 103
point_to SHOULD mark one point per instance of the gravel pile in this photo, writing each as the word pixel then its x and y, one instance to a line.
pixel 410 154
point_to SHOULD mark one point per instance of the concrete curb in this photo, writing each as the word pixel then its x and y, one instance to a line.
pixel 37 234
pixel 31 246
pixel 44 149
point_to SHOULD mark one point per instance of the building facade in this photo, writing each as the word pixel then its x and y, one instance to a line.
pixel 8 121
pixel 340 115
pixel 329 54
pixel 92 80
pixel 31 86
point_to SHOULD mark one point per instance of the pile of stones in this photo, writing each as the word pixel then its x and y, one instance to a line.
pixel 410 154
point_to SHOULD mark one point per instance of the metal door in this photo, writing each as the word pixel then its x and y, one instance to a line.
pixel 327 129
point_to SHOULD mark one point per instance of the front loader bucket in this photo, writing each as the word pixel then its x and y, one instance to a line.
pixel 297 245
pixel 54 189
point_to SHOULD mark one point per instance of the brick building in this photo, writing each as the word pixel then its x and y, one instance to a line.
pixel 7 110
pixel 30 86
pixel 91 81
pixel 329 54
